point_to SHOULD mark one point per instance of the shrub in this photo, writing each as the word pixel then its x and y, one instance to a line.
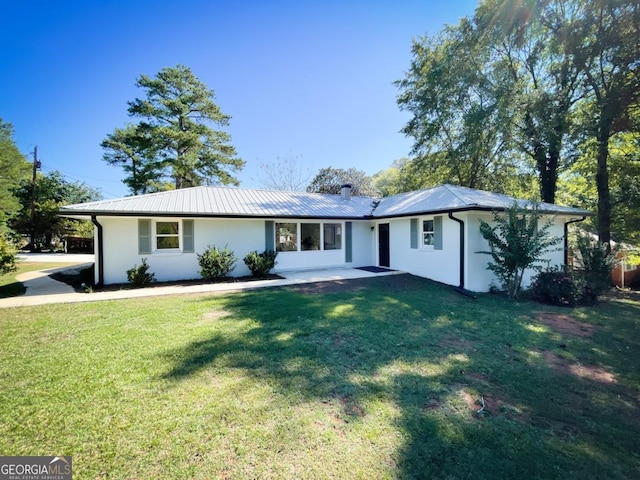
pixel 556 286
pixel 7 255
pixel 216 263
pixel 260 264
pixel 139 276
pixel 596 263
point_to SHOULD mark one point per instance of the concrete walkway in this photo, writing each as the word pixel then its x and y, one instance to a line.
pixel 41 289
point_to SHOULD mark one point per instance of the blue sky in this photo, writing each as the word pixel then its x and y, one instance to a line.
pixel 312 80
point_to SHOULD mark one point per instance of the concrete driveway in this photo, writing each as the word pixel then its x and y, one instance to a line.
pixel 57 257
pixel 39 283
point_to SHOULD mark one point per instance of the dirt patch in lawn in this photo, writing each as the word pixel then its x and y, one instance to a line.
pixel 566 324
pixel 212 316
pixel 491 404
pixel 590 372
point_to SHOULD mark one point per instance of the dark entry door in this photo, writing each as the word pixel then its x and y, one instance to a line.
pixel 383 245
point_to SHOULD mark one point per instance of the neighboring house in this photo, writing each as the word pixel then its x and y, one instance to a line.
pixel 625 273
pixel 432 233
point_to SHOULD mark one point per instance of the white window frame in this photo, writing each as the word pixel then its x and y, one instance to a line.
pixel 424 232
pixel 155 248
pixel 299 249
pixel 278 242
pixel 337 232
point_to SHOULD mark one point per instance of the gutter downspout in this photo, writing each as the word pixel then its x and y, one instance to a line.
pixel 566 237
pixel 460 289
pixel 100 258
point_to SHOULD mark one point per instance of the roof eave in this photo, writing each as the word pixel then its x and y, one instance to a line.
pixel 89 214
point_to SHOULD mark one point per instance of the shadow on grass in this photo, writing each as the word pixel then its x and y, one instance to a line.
pixel 432 353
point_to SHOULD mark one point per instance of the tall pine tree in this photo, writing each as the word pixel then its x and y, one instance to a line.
pixel 174 138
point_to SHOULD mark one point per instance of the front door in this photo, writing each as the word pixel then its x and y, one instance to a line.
pixel 383 245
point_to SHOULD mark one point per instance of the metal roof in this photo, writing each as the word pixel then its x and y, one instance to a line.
pixel 446 198
pixel 237 202
pixel 228 202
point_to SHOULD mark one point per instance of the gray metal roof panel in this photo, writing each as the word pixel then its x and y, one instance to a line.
pixel 228 201
pixel 453 197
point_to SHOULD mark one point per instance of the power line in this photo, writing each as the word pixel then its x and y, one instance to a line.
pixel 69 176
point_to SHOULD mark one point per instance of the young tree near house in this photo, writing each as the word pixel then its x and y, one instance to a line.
pixel 51 192
pixel 173 138
pixel 517 242
pixel 331 180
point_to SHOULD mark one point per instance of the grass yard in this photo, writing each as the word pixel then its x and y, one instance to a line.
pixel 377 378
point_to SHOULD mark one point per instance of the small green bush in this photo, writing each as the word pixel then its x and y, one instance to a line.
pixel 556 286
pixel 139 276
pixel 260 264
pixel 216 263
pixel 596 264
pixel 7 255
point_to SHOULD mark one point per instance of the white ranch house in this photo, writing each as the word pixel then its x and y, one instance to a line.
pixel 432 233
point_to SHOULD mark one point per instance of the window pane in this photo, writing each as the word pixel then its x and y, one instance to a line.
pixel 167 242
pixel 332 236
pixel 167 228
pixel 310 234
pixel 286 237
pixel 428 236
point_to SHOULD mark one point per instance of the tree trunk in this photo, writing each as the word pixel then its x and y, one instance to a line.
pixel 602 185
pixel 548 172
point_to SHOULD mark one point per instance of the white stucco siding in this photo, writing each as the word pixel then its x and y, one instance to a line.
pixel 120 252
pixel 121 247
pixel 240 235
pixel 364 244
pixel 439 265
pixel 478 278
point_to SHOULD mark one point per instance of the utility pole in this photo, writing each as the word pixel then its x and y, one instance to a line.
pixel 36 167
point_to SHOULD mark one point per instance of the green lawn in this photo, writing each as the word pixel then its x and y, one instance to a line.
pixel 379 381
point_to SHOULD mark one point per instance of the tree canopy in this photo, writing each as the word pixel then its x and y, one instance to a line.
pixel 286 173
pixel 331 180
pixel 173 139
pixel 14 168
pixel 522 88
pixel 40 220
